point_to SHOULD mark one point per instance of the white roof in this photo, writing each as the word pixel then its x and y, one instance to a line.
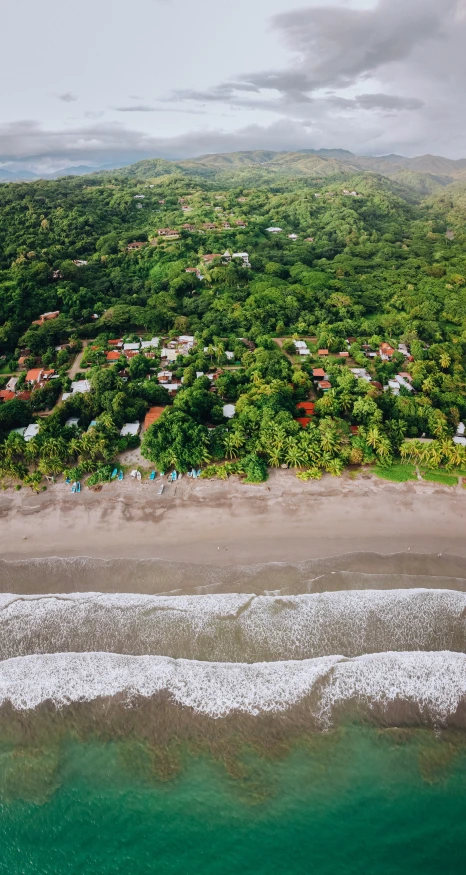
pixel 31 431
pixel 461 429
pixel 150 344
pixel 130 347
pixel 81 386
pixel 230 355
pixel 405 383
pixel 361 374
pixel 274 230
pixel 241 255
pixel 300 344
pixel 11 385
pixel 305 351
pixel 65 396
pixel 293 236
pixel 229 410
pixel 71 422
pixel 130 428
pixel 139 195
pixel 456 440
pixel 172 387
pixel 186 338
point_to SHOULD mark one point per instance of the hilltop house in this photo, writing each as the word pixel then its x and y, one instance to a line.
pixel 46 317
pixel 135 245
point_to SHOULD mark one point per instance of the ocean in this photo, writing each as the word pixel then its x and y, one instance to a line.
pixel 279 719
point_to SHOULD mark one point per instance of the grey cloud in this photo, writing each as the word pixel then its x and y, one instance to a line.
pixel 384 102
pixel 136 108
pixel 67 97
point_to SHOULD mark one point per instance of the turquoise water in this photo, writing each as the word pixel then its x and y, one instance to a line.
pixel 357 801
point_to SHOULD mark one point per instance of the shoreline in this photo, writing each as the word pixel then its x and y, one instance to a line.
pixel 225 523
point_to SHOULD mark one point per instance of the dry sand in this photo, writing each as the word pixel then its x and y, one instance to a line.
pixel 232 523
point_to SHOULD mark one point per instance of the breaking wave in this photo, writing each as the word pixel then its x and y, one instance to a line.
pixel 435 683
pixel 234 627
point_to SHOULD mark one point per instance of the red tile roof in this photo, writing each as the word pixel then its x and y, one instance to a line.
pixel 344 354
pixel 34 375
pixel 324 384
pixel 307 406
pixel 318 372
pixel 113 356
pixel 354 429
pixel 323 352
pixel 303 421
pixel 6 395
pixel 24 396
pixel 152 416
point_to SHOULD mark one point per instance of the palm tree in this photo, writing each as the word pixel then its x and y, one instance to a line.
pixel 294 455
pixel 445 361
pixel 230 445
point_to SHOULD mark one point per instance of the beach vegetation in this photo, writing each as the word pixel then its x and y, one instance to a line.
pixel 397 472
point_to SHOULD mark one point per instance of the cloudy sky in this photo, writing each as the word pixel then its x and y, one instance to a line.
pixel 96 82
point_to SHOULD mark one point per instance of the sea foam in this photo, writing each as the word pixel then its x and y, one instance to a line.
pixel 435 682
pixel 235 627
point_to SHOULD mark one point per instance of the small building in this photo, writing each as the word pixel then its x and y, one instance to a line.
pixel 130 429
pixel 6 395
pixel 72 422
pixel 164 376
pixel 12 383
pixel 229 411
pixel 209 226
pixel 189 227
pixel 292 236
pixel 34 375
pixel 47 317
pixel 31 431
pixel 344 354
pixel 386 351
pixel 80 387
pixel 244 256
pixel 306 408
pixel 139 196
pixel 274 230
pixel 361 374
pixel 322 352
pixel 24 396
pixel 324 385
pixel 113 356
pixel 230 355
pixel 79 262
pixel 303 421
pixel 131 347
pixel 240 224
pixel 150 344
pixel 208 259
pixel 170 233
pixel 319 374
pixel 135 245
pixel 116 343
pixel 309 240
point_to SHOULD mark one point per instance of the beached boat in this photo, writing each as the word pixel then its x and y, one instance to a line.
pixel 161 488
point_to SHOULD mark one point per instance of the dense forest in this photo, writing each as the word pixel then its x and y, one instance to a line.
pixel 366 274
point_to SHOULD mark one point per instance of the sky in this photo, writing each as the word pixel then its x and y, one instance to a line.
pixel 99 83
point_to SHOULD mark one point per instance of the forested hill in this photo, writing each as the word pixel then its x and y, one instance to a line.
pixel 350 261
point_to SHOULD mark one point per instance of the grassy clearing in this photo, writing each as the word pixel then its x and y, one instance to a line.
pixel 440 477
pixel 397 473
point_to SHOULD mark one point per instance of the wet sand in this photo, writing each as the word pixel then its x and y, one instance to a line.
pixel 225 524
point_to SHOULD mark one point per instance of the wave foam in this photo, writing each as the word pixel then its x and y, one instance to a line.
pixel 235 627
pixel 436 682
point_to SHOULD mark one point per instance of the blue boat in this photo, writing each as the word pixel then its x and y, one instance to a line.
pixel 78 487
pixel 114 473
pixel 153 475
pixel 73 488
pixel 120 475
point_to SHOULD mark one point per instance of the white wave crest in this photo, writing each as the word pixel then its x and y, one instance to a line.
pixel 434 681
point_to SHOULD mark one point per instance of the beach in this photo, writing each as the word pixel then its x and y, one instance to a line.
pixel 231 523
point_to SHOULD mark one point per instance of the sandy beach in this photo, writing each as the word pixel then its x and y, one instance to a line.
pixel 231 523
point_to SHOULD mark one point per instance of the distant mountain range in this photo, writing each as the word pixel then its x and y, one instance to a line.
pixel 424 174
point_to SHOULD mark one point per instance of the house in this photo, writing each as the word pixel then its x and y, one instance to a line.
pixel 168 232
pixel 135 245
pixel 229 411
pixel 209 226
pixel 46 317
pixel 460 430
pixel 230 355
pixel 386 351
pixel 226 226
pixel 131 347
pixel 152 415
pixel 130 429
pixel 6 395
pixel 150 344
pixel 172 388
pixel 319 374
pixel 405 383
pixel 196 271
pixel 303 421
pixel 309 239
pixel 292 236
pixel 116 343
pixel 274 230
pixel 361 374
pixel 306 408
pixel 31 431
pixel 113 356
pixel 324 385
pixel 79 262
pixel 186 208
pixel 80 387
pixel 24 396
pixel 34 375
pixel 242 200
pixel 123 375
pixel 12 383
pixel 22 362
pixel 344 355
pixel 240 224
pixel 137 196
pixel 322 352
pixel 208 259
pixel 169 354
pixel 72 422
pixel 189 227
pixel 57 275
pixel 405 376
pixel 404 350
pixel 244 256
pixel 164 376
